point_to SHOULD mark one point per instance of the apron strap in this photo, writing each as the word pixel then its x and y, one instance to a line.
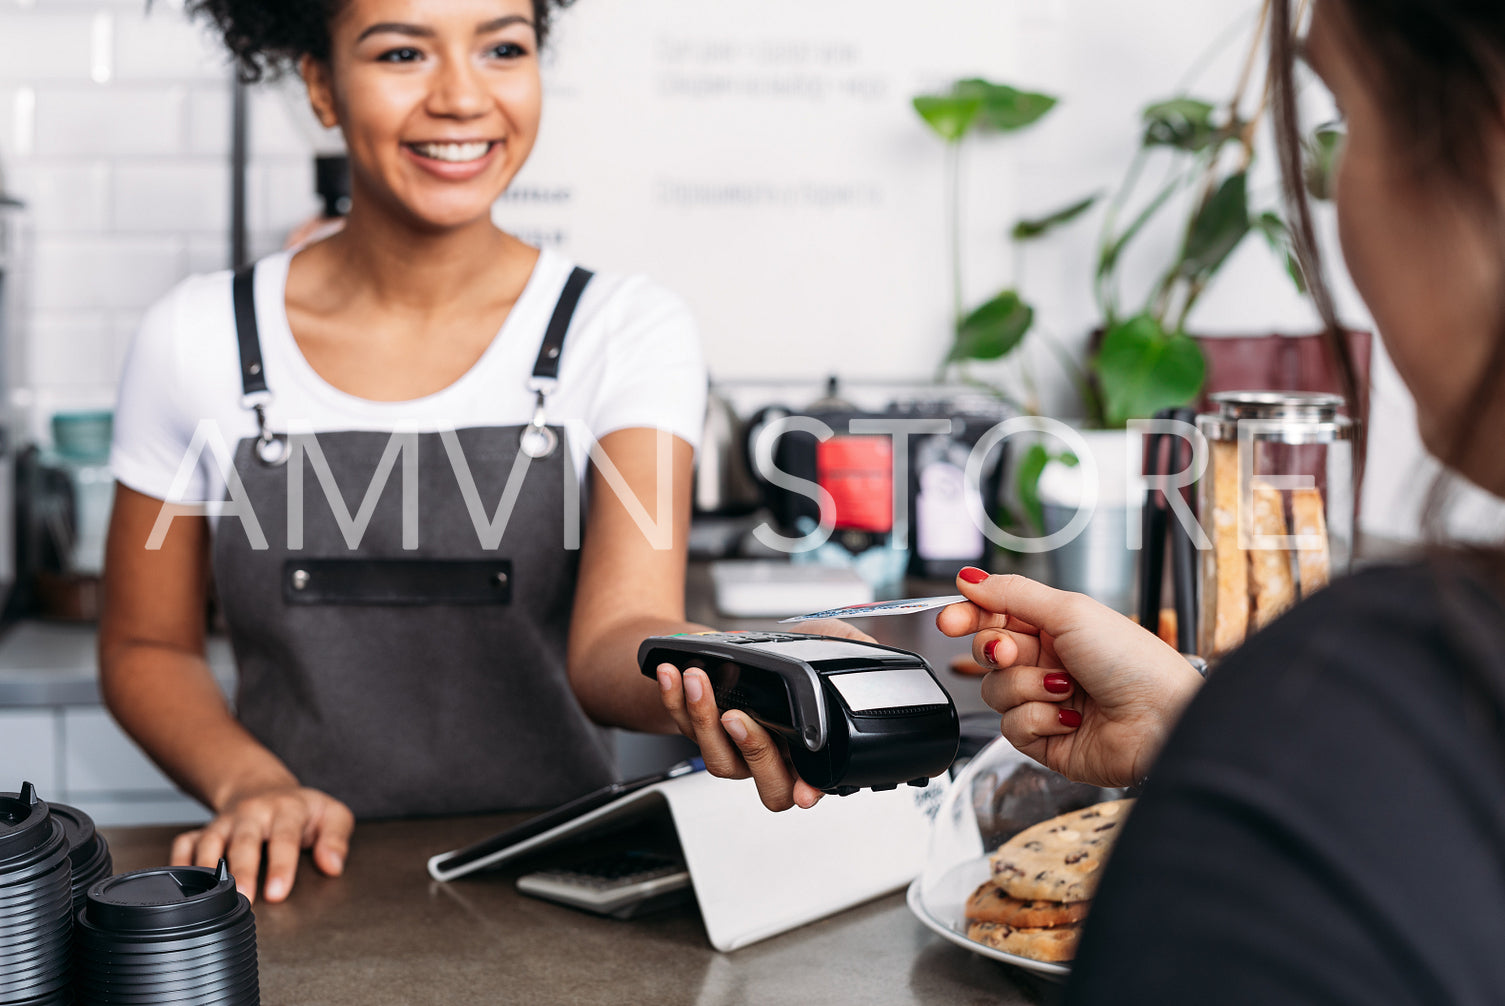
pixel 538 441
pixel 255 395
pixel 252 377
pixel 547 367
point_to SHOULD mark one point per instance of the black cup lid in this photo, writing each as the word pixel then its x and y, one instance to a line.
pixel 170 897
pixel 24 823
pixel 77 826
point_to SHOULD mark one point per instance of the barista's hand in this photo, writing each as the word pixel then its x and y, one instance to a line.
pixel 1082 689
pixel 733 746
pixel 283 819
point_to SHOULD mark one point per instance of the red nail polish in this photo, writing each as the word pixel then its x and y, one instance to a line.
pixel 1057 683
pixel 987 651
pixel 1069 718
pixel 973 575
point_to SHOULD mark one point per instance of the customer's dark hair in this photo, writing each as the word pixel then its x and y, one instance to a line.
pixel 267 37
pixel 1438 68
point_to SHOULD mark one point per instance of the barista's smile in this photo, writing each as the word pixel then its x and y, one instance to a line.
pixel 455 161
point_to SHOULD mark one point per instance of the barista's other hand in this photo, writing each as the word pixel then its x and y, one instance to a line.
pixel 1082 689
pixel 285 820
pixel 733 746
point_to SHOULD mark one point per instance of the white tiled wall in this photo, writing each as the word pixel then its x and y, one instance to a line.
pixel 115 130
pixel 115 126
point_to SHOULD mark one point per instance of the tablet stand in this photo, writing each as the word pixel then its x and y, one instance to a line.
pixel 756 873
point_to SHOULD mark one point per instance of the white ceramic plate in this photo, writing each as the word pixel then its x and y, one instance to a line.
pixel 940 908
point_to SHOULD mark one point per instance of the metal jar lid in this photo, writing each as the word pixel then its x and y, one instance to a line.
pixel 1291 417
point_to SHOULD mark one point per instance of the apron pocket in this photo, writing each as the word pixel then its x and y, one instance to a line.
pixel 397 581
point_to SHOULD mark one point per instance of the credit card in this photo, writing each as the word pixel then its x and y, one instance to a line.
pixel 908 606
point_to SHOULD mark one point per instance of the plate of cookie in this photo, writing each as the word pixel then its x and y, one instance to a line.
pixel 1015 856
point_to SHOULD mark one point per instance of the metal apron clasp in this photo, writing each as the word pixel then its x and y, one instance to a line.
pixel 271 448
pixel 537 440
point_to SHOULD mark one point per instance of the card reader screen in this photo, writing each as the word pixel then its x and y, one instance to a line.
pixel 865 691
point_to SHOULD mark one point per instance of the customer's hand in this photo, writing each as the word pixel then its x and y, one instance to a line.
pixel 1082 689
pixel 284 820
pixel 733 746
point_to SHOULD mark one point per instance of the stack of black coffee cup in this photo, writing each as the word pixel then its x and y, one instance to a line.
pixel 35 902
pixel 88 852
pixel 181 935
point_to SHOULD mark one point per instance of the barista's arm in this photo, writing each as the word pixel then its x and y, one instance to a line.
pixel 632 578
pixel 157 683
pixel 631 586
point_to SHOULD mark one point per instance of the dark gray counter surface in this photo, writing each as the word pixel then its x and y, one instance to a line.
pixel 384 933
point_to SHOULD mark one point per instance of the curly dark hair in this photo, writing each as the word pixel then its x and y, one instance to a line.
pixel 268 37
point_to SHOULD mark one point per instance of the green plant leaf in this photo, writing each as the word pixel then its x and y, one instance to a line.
pixel 1113 252
pixel 1298 276
pixel 1005 109
pixel 1031 467
pixel 1278 235
pixel 1220 225
pixel 994 329
pixel 1182 123
pixel 1143 369
pixel 1026 230
pixel 1027 481
pixel 1324 150
pixel 1270 224
pixel 951 117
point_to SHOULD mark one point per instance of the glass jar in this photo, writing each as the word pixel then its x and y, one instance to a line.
pixel 1276 502
pixel 81 449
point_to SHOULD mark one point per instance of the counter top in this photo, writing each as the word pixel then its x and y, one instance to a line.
pixel 384 933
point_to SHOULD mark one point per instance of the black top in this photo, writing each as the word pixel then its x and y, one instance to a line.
pixel 1327 823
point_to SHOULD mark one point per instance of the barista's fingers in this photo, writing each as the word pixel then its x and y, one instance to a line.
pixel 671 687
pixel 1025 724
pixel 1000 648
pixel 183 847
pixel 805 795
pixel 721 756
pixel 1015 686
pixel 245 851
pixel 333 842
pixel 836 628
pixel 211 842
pixel 284 846
pixel 775 781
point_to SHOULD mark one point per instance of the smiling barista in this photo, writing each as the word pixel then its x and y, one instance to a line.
pixel 371 684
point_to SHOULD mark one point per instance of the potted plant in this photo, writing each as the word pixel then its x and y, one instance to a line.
pixel 1142 358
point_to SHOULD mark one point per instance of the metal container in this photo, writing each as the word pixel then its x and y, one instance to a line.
pixel 1277 503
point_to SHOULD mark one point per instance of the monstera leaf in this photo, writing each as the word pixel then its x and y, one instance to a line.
pixel 981 105
pixel 1182 123
pixel 1005 109
pixel 950 116
pixel 1324 149
pixel 1143 369
pixel 1218 229
pixel 1031 467
pixel 1028 230
pixel 994 329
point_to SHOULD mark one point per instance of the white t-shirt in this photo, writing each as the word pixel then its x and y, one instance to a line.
pixel 632 359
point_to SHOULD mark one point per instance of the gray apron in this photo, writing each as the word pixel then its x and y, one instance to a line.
pixel 403 680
